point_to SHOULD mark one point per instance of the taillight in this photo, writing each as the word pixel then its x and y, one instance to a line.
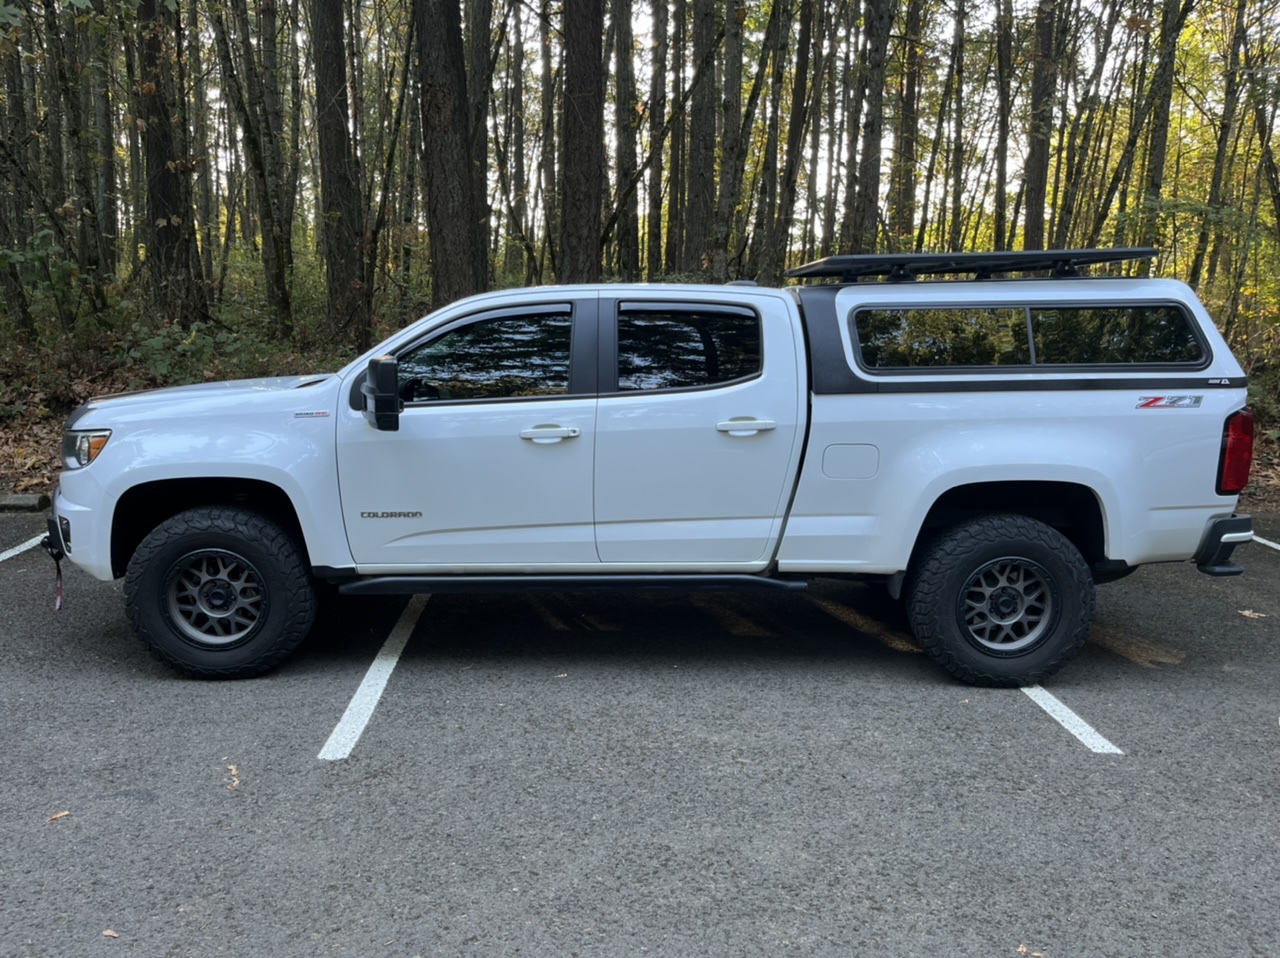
pixel 1237 453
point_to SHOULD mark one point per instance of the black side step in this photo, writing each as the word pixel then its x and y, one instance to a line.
pixel 416 584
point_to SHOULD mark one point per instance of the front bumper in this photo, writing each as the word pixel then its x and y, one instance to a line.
pixel 1220 539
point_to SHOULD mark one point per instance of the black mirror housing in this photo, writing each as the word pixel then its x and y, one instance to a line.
pixel 381 392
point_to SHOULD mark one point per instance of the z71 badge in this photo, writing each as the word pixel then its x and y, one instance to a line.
pixel 1169 402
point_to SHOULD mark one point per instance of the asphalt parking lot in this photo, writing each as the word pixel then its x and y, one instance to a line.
pixel 654 774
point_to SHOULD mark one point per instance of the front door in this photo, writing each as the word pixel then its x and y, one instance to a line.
pixel 492 463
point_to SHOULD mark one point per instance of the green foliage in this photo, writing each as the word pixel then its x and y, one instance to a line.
pixel 1264 399
pixel 11 402
pixel 171 352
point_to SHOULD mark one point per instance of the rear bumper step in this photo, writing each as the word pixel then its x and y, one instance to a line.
pixel 417 584
pixel 1214 555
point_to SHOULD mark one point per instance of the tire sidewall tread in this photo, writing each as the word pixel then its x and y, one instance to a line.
pixel 949 561
pixel 291 603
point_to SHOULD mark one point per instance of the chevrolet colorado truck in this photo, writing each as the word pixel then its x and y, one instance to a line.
pixel 988 444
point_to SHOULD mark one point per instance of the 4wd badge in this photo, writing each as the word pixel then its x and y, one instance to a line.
pixel 1169 402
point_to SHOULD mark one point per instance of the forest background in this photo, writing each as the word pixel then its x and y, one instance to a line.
pixel 201 189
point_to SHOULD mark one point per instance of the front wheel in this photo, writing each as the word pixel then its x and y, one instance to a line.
pixel 1001 600
pixel 219 592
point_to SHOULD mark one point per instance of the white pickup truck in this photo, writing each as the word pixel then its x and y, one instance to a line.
pixel 988 446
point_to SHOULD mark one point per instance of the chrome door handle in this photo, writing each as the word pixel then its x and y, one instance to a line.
pixel 550 433
pixel 745 426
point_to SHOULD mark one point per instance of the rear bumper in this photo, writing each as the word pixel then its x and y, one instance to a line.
pixel 1220 539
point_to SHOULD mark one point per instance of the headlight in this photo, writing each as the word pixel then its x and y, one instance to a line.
pixel 79 448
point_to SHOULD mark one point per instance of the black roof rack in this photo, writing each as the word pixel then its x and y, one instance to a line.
pixel 907 266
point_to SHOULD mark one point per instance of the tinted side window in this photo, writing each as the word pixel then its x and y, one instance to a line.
pixel 948 336
pixel 503 357
pixel 680 348
pixel 1114 334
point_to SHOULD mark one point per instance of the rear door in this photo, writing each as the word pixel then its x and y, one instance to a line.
pixel 697 435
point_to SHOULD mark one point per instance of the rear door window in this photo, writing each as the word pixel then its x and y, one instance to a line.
pixel 686 347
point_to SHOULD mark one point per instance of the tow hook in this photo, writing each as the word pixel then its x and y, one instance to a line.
pixel 55 552
pixel 52 544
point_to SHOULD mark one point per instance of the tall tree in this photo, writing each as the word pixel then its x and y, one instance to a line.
pixel 583 140
pixel 902 170
pixel 657 139
pixel 341 198
pixel 1172 17
pixel 863 217
pixel 459 253
pixel 245 68
pixel 730 179
pixel 1044 78
pixel 171 236
pixel 702 144
pixel 1004 110
pixel 627 124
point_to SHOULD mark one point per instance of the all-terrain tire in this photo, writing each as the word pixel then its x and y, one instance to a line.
pixel 1001 600
pixel 220 592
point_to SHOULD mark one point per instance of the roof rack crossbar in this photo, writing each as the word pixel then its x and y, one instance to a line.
pixel 899 267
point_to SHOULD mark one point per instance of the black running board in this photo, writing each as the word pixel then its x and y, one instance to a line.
pixel 418 584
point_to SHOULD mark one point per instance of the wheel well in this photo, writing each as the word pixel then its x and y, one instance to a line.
pixel 1072 509
pixel 144 507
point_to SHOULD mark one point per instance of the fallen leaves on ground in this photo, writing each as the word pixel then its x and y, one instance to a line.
pixel 30 453
pixel 109 934
pixel 56 816
pixel 1250 614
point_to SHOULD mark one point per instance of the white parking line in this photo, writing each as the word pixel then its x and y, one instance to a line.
pixel 349 728
pixel 1266 542
pixel 1070 721
pixel 18 550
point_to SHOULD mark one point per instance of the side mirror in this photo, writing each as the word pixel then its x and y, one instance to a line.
pixel 381 392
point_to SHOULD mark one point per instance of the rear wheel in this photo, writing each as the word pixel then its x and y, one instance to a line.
pixel 220 592
pixel 1001 600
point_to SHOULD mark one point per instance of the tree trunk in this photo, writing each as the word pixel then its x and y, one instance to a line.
pixel 479 74
pixel 878 20
pixel 801 99
pixel 548 163
pixel 262 152
pixel 702 144
pixel 628 122
pixel 1044 78
pixel 1226 130
pixel 955 237
pixel 171 240
pixel 1004 107
pixel 765 263
pixel 201 154
pixel 458 250
pixel 731 144
pixel 1171 22
pixel 902 171
pixel 583 140
pixel 657 126
pixel 341 202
